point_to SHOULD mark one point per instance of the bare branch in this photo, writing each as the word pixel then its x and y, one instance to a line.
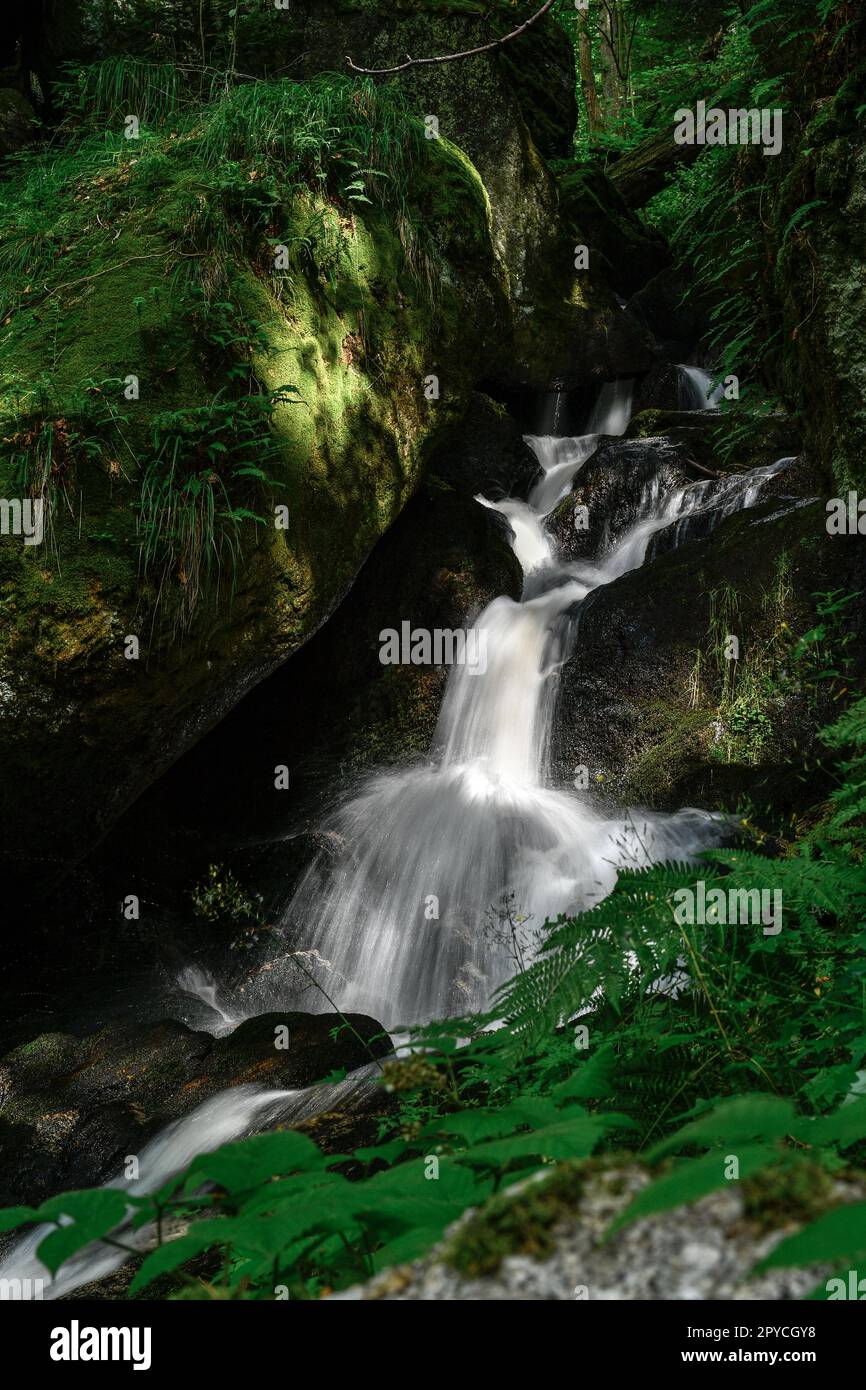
pixel 452 57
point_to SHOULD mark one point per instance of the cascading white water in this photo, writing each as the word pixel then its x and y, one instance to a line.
pixel 697 390
pixel 201 985
pixel 475 829
pixel 435 856
pixel 225 1117
pixel 406 920
pixel 612 411
pixel 560 460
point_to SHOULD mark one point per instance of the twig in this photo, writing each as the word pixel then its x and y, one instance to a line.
pixel 699 467
pixel 452 57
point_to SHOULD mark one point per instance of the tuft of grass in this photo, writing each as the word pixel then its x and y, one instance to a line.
pixel 197 492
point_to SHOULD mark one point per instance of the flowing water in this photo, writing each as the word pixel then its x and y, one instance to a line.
pixel 414 913
pixel 224 1118
pixel 413 916
pixel 697 391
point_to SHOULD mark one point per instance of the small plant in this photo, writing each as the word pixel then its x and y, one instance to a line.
pixel 221 901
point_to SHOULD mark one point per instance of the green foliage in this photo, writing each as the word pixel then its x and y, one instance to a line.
pixel 706 1041
pixel 202 462
pixel 221 900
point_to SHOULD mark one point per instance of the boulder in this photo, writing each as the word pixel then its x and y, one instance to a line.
pixel 631 252
pixel 642 698
pixel 547 1240
pixel 73 1108
pixel 612 486
pixel 88 718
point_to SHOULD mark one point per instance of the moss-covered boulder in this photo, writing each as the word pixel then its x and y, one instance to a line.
pixel 166 583
pixel 820 278
pixel 554 1237
pixel 511 110
pixel 720 440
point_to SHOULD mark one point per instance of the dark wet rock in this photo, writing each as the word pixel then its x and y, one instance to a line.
pixel 611 486
pixel 674 321
pixel 640 698
pixel 487 453
pixel 17 121
pixel 631 252
pixel 73 1108
pixel 721 441
pixel 822 343
pixel 661 389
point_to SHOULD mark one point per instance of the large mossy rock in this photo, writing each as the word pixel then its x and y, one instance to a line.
pixel 82 728
pixel 820 278
pixel 510 110
pixel 466 276
pixel 551 1238
pixel 73 1108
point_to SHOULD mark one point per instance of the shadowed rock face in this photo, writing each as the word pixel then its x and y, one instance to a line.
pixel 636 709
pixel 74 1107
pixel 823 348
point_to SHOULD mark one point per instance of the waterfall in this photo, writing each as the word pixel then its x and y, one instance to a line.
pixel 230 1115
pixel 696 389
pixel 612 410
pixel 200 985
pixel 435 857
pixel 407 918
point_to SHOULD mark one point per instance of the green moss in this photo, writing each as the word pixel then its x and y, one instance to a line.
pixel 378 296
pixel 799 1191
pixel 674 738
pixel 517 1224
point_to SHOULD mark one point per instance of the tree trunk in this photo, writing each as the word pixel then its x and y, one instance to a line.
pixel 644 171
pixel 587 80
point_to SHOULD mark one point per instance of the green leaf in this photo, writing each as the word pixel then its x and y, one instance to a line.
pixel 92 1214
pixel 838 1235
pixel 732 1122
pixel 592 1081
pixel 409 1245
pixel 474 1125
pixel 239 1166
pixel 170 1256
pixel 690 1180
pixel 845 1126
pixel 10 1217
pixel 568 1139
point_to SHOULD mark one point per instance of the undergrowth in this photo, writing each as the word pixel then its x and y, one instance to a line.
pixel 633 1035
